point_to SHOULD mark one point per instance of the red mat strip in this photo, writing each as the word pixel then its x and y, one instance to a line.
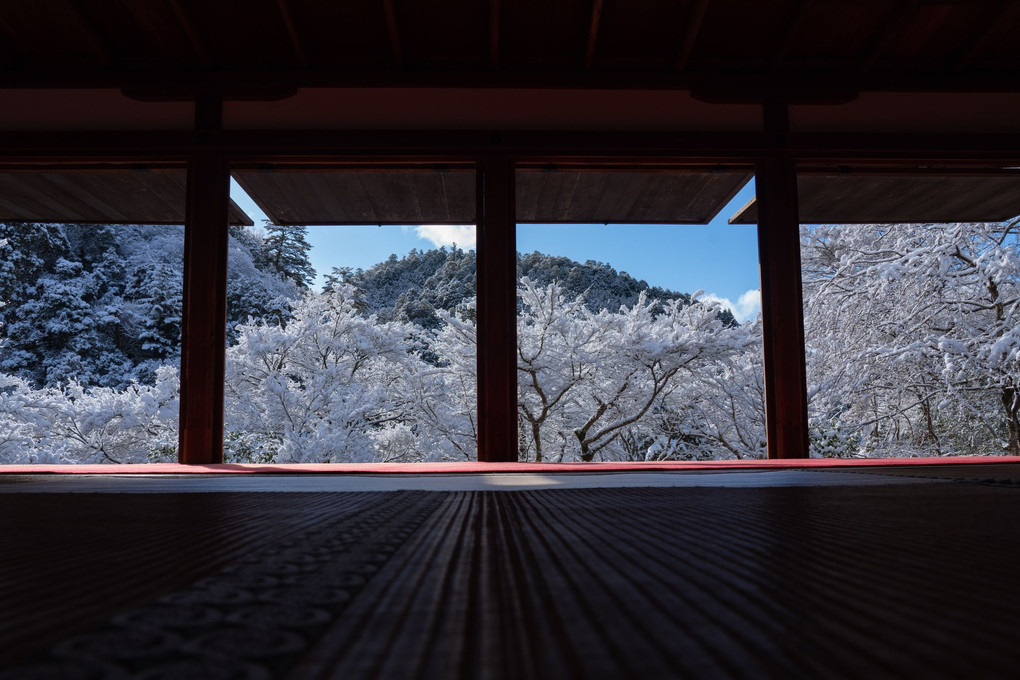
pixel 478 468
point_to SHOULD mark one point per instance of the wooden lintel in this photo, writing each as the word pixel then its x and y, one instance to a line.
pixel 878 81
pixel 203 326
pixel 782 309
pixel 389 146
pixel 832 95
pixel 496 283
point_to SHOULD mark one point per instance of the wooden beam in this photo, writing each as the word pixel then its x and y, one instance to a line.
pixel 634 148
pixel 782 309
pixel 275 79
pixel 691 33
pixel 394 33
pixel 593 34
pixel 496 282
pixel 204 317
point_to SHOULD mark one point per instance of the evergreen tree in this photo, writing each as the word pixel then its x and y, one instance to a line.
pixel 286 251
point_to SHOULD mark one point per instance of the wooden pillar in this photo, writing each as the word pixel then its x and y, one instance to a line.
pixel 782 308
pixel 496 248
pixel 203 326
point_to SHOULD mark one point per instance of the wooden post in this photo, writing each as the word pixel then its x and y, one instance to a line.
pixel 204 317
pixel 782 308
pixel 496 248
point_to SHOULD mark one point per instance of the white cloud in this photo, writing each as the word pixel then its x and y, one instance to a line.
pixel 748 305
pixel 463 236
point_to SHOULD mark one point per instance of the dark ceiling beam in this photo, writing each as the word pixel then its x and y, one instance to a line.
pixel 691 32
pixel 494 33
pixel 188 24
pixel 593 34
pixel 296 40
pixel 277 79
pixel 92 33
pixel 889 32
pixel 991 21
pixel 793 24
pixel 306 146
pixel 394 33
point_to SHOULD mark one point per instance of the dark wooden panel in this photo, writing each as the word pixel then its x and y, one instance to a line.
pixel 363 196
pixel 893 198
pixel 98 196
pixel 677 197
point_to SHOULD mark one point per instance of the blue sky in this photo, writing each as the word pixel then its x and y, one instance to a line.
pixel 719 258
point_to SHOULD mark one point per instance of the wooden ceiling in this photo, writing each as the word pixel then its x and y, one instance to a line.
pixel 97 196
pixel 259 48
pixel 395 196
pixel 445 196
pixel 884 198
pixel 686 196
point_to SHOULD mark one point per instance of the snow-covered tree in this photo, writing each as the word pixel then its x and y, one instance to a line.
pixel 592 380
pixel 912 335
pixel 317 388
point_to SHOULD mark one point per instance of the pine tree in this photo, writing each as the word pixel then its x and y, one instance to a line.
pixel 286 251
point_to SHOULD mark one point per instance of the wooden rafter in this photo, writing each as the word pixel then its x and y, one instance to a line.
pixel 296 40
pixel 92 32
pixel 992 20
pixel 188 24
pixel 793 24
pixel 593 34
pixel 697 15
pixel 394 33
pixel 889 32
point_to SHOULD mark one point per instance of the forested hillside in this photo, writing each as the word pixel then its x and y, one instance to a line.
pixel 416 287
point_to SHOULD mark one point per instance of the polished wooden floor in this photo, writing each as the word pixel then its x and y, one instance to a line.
pixel 870 572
